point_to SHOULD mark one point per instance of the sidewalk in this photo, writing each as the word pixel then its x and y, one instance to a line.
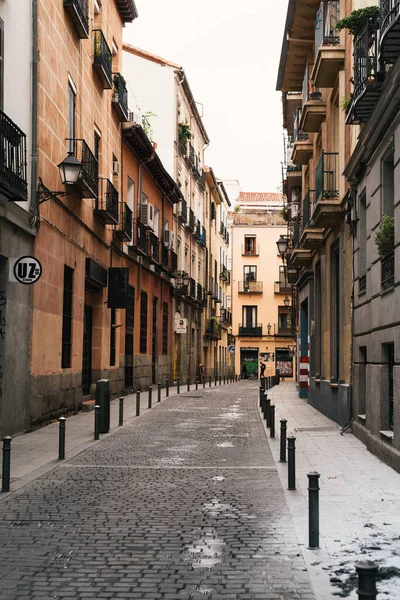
pixel 36 453
pixel 359 500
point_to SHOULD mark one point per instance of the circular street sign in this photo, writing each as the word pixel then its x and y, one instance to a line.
pixel 231 349
pixel 27 270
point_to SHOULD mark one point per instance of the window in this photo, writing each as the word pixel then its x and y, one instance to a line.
pixel 388 184
pixel 335 313
pixel 112 337
pixel 131 195
pixel 143 323
pixel 250 245
pixel 249 273
pixel 317 321
pixel 67 319
pixel 156 221
pixel 129 325
pixel 362 381
pixel 96 146
pixel 250 316
pixel 1 64
pixel 362 241
pixel 390 352
pixel 165 329
pixel 71 113
pixel 284 320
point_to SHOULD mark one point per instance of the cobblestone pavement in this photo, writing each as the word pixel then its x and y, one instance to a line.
pixel 183 503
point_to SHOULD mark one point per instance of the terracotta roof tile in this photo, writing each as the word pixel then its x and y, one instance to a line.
pixel 261 197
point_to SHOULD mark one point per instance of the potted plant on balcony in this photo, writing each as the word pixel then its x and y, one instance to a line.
pixel 357 18
pixel 384 236
pixel 184 135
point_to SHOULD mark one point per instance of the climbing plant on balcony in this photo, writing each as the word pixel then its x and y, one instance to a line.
pixel 184 135
pixel 384 236
pixel 357 18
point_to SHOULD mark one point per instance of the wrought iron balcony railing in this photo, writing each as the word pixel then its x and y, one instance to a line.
pixel 389 36
pixel 213 329
pixel 107 202
pixel 102 59
pixel 192 288
pixel 298 135
pixel 203 237
pixel 182 211
pixel 79 15
pixel 191 155
pixel 296 232
pixel 13 175
pixel 250 287
pixel 255 251
pixel 192 220
pixel 124 230
pixel 222 229
pixel 282 288
pixel 139 240
pixel 307 208
pixel 326 19
pixel 282 330
pixel 201 179
pixel 164 256
pixel 367 75
pixel 225 316
pixel 120 97
pixel 224 273
pixel 387 271
pixel 249 329
pixel 200 294
pixel 87 184
pixel 326 177
pixel 197 229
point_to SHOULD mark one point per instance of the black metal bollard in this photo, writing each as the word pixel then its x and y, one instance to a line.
pixel 5 477
pixel 224 379
pixel 236 378
pixel 197 383
pixel 204 382
pixel 188 384
pixel 282 457
pixel 137 403
pixel 220 380
pixel 313 509
pixel 97 422
pixel 210 380
pixel 178 385
pixel 261 394
pixel 216 380
pixel 121 412
pixel 61 438
pixel 264 405
pixel 267 415
pixel 367 571
pixel 150 396
pixel 159 392
pixel 272 421
pixel 167 388
pixel 291 446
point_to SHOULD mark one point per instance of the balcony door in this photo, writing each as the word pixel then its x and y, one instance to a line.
pixel 250 316
pixel 249 273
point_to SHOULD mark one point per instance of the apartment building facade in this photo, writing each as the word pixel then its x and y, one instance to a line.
pixel 162 89
pixel 17 220
pixel 217 359
pixel 373 173
pixel 314 76
pixel 261 298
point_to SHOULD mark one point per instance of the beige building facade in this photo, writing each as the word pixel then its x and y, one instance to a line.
pixel 261 299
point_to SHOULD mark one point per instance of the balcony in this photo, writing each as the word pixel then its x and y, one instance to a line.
pixel 224 273
pixel 173 262
pixel 124 231
pixel 153 247
pixel 201 179
pixel 107 202
pixel 389 31
pixel 102 59
pixel 192 221
pixel 120 98
pixel 250 287
pixel 182 211
pixel 13 175
pixel 197 229
pixel 192 288
pixel 222 229
pixel 387 271
pixel 217 293
pixel 200 296
pixel 127 10
pixel 203 237
pixel 87 184
pixel 213 330
pixel 139 240
pixel 250 330
pixel 300 257
pixel 282 330
pixel 251 251
pixel 313 112
pixel 227 237
pixel 329 55
pixel 367 76
pixel 281 287
pixel 78 13
pixel 302 145
pixel 327 209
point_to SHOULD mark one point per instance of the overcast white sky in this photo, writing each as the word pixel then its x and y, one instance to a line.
pixel 230 52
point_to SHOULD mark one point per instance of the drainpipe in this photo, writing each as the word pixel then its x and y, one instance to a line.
pixel 34 95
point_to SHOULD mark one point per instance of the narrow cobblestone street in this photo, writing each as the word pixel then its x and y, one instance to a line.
pixel 184 502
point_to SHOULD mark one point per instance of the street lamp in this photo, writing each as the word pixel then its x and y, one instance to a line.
pixel 70 169
pixel 286 302
pixel 185 279
pixel 282 244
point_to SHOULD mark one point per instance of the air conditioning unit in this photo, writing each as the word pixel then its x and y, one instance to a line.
pixel 147 215
pixel 115 167
pixel 169 239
